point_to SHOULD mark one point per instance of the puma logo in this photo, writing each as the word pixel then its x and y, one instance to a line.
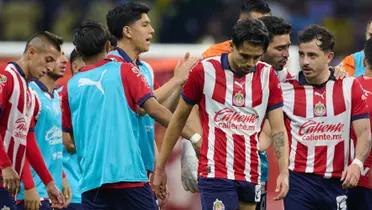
pixel 364 172
pixel 238 84
pixel 89 82
pixel 320 94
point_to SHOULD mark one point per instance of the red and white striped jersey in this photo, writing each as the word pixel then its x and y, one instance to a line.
pixel 364 180
pixel 232 110
pixel 318 121
pixel 18 106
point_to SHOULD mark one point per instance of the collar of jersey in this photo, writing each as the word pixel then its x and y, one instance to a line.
pixel 226 65
pixel 98 64
pixel 302 80
pixel 19 69
pixel 44 87
pixel 126 57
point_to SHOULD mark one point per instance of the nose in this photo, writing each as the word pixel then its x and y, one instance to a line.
pixel 286 53
pixel 152 30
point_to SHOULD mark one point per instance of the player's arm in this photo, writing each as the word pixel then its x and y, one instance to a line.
pixel 67 136
pixel 362 129
pixel 11 179
pixel 168 94
pixel 265 136
pixel 278 134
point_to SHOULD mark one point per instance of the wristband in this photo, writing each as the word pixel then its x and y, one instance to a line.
pixel 195 138
pixel 359 163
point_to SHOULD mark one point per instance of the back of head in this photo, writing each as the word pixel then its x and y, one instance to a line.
pixel 325 39
pixel 276 26
pixel 73 56
pixel 90 39
pixel 368 53
pixel 259 6
pixel 252 31
pixel 42 39
pixel 124 15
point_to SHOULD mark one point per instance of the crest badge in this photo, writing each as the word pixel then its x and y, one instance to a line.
pixel 319 109
pixel 218 205
pixel 3 79
pixel 238 99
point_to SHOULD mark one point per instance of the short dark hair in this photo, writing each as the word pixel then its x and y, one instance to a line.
pixel 260 6
pixel 124 15
pixel 252 31
pixel 90 38
pixel 53 39
pixel 73 56
pixel 276 26
pixel 113 40
pixel 320 33
pixel 368 51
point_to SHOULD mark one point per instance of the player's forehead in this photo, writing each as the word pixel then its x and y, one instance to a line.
pixel 51 51
pixel 250 49
pixel 310 47
pixel 280 40
pixel 144 19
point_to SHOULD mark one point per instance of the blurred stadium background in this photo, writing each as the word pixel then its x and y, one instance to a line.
pixel 182 26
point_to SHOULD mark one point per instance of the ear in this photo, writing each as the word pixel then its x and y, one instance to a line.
pixel 127 32
pixel 330 56
pixel 365 64
pixel 31 51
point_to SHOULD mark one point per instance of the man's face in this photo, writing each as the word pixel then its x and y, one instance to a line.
pixel 252 15
pixel 42 60
pixel 60 67
pixel 277 52
pixel 369 31
pixel 244 58
pixel 142 33
pixel 313 61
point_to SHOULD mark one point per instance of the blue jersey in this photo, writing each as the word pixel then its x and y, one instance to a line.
pixel 48 132
pixel 73 174
pixel 100 100
pixel 146 123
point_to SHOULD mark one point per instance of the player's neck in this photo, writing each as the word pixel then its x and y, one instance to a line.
pixel 129 49
pixel 24 66
pixel 49 82
pixel 320 79
pixel 368 72
pixel 95 59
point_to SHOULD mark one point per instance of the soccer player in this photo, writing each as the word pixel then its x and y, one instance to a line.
pixel 354 64
pixel 70 159
pixel 228 90
pixel 359 198
pixel 18 106
pixel 319 113
pixel 100 105
pixel 250 9
pixel 48 132
pixel 130 24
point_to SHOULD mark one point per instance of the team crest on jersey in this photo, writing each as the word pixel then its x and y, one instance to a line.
pixel 218 205
pixel 319 109
pixel 3 79
pixel 238 99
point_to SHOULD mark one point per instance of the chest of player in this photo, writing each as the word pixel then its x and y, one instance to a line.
pixel 318 115
pixel 236 103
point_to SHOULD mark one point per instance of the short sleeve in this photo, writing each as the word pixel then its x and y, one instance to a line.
pixel 359 108
pixel 193 89
pixel 135 86
pixel 275 97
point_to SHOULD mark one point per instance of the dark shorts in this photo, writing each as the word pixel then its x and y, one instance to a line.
pixel 7 200
pixel 45 205
pixel 359 198
pixel 310 192
pixel 119 199
pixel 226 194
pixel 74 206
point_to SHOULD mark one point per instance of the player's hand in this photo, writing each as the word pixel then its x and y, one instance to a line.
pixel 32 199
pixel 66 191
pixel 183 67
pixel 11 180
pixel 339 72
pixel 55 196
pixel 350 176
pixel 189 167
pixel 282 185
pixel 159 183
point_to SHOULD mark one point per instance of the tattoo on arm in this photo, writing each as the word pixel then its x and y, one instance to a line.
pixel 278 139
